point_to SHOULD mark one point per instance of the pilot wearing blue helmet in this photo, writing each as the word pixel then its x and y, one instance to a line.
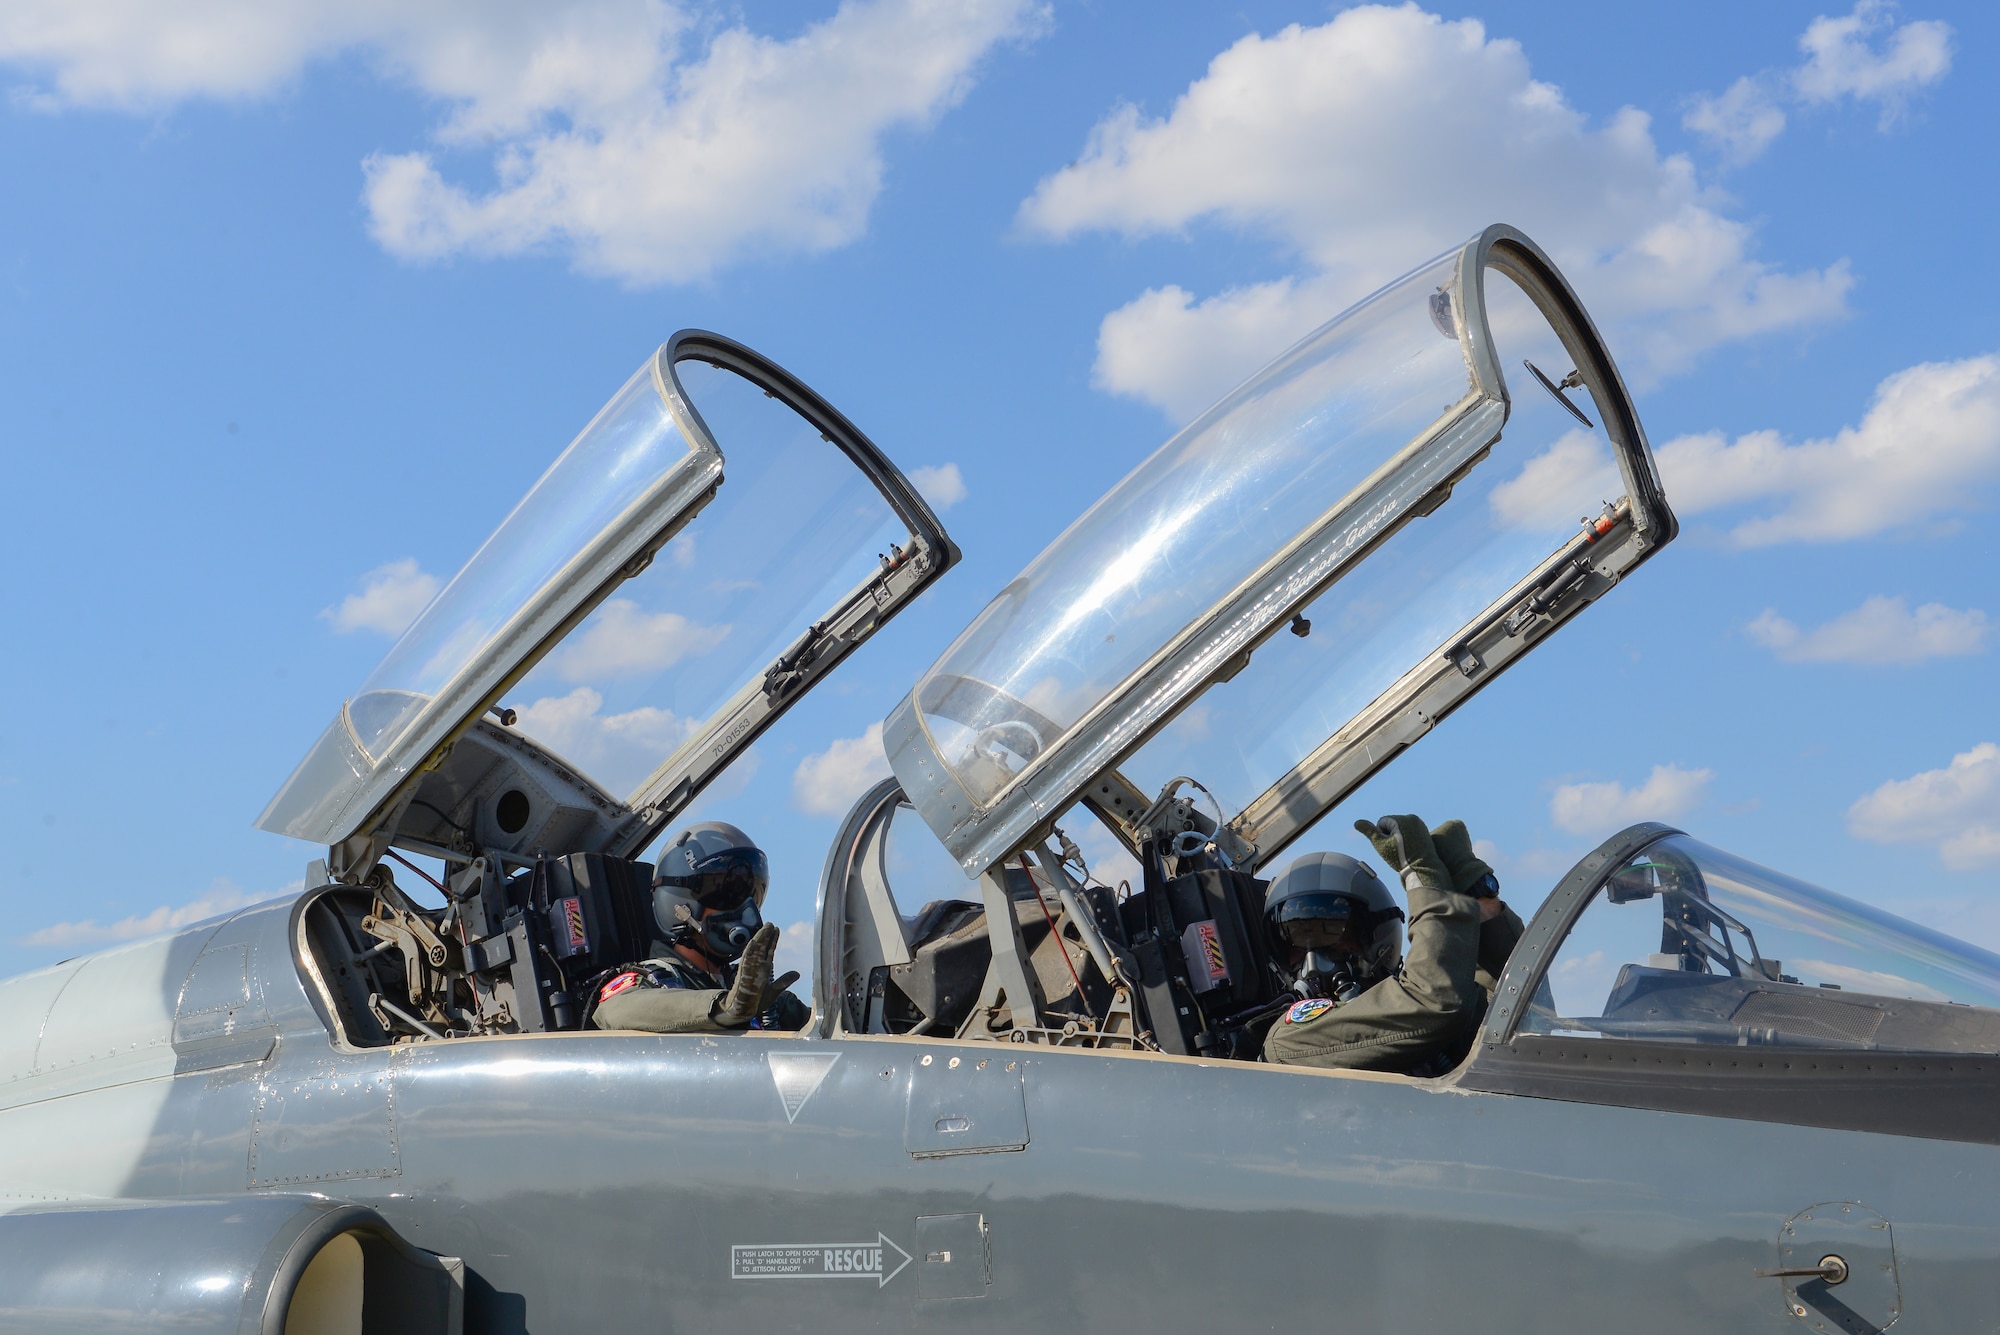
pixel 711 972
pixel 1363 1002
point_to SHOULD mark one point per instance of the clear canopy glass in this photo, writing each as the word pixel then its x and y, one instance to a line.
pixel 793 529
pixel 1198 519
pixel 774 524
pixel 615 463
pixel 1687 943
pixel 1413 594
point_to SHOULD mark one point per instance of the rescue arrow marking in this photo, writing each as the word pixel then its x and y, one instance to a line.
pixel 818 1260
pixel 797 1075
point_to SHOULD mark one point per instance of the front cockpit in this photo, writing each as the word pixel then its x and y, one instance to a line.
pixel 1291 591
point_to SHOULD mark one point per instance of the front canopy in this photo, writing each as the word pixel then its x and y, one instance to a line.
pixel 1356 491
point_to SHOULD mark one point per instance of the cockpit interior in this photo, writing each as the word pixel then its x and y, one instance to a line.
pixel 1289 593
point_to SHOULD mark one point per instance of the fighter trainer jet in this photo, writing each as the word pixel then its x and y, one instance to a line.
pixel 1707 1097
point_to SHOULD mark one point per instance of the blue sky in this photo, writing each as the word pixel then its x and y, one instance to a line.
pixel 295 293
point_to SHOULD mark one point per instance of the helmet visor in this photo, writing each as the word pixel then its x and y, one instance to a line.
pixel 1325 921
pixel 725 881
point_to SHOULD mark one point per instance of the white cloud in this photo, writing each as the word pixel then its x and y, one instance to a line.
pixel 1570 479
pixel 1741 122
pixel 795 951
pixel 1378 139
pixel 1106 858
pixel 1599 808
pixel 941 485
pixel 1927 445
pixel 390 598
pixel 1840 62
pixel 1881 630
pixel 1180 353
pixel 1931 435
pixel 222 896
pixel 828 783
pixel 1955 809
pixel 646 138
pixel 617 750
pixel 621 640
pixel 1865 980
pixel 759 146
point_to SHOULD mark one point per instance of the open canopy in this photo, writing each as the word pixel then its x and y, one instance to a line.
pixel 1376 490
pixel 773 537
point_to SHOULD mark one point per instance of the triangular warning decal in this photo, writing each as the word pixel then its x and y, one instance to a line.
pixel 797 1075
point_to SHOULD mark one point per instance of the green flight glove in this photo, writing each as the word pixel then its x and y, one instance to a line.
pixel 1468 870
pixel 779 986
pixel 745 998
pixel 1406 846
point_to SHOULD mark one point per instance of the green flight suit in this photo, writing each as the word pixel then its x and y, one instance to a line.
pixel 667 995
pixel 1432 1005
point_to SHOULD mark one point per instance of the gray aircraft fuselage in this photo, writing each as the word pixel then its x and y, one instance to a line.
pixel 598 1181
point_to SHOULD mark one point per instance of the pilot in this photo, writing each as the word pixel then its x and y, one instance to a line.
pixel 712 973
pixel 1365 1004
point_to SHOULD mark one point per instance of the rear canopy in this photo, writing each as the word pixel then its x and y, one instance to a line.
pixel 778 538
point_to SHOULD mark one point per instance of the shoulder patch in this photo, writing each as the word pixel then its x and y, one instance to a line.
pixel 1310 1009
pixel 623 982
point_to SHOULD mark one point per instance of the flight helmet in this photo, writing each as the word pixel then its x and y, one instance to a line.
pixel 711 866
pixel 1330 918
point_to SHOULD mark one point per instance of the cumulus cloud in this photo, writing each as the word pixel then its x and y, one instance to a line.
pixel 1843 60
pixel 758 146
pixel 222 896
pixel 1881 630
pixel 795 953
pixel 622 640
pixel 1930 436
pixel 1571 478
pixel 1927 446
pixel 828 783
pixel 1368 143
pixel 941 485
pixel 1956 810
pixel 1598 808
pixel 390 598
pixel 643 137
pixel 1741 122
pixel 617 750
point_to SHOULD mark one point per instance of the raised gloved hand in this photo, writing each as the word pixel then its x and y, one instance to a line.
pixel 779 986
pixel 1406 846
pixel 1469 872
pixel 745 997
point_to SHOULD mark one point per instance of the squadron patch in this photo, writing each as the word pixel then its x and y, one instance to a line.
pixel 1308 1010
pixel 621 983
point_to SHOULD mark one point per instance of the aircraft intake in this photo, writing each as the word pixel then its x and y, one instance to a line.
pixel 248 1265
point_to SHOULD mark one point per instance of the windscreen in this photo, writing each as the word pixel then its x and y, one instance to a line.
pixel 1415 593
pixel 617 462
pixel 794 528
pixel 1688 943
pixel 1204 514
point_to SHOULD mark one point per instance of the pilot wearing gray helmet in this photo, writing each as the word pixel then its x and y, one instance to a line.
pixel 712 971
pixel 1364 1002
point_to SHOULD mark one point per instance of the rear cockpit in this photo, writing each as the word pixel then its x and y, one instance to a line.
pixel 621 582
pixel 507 954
